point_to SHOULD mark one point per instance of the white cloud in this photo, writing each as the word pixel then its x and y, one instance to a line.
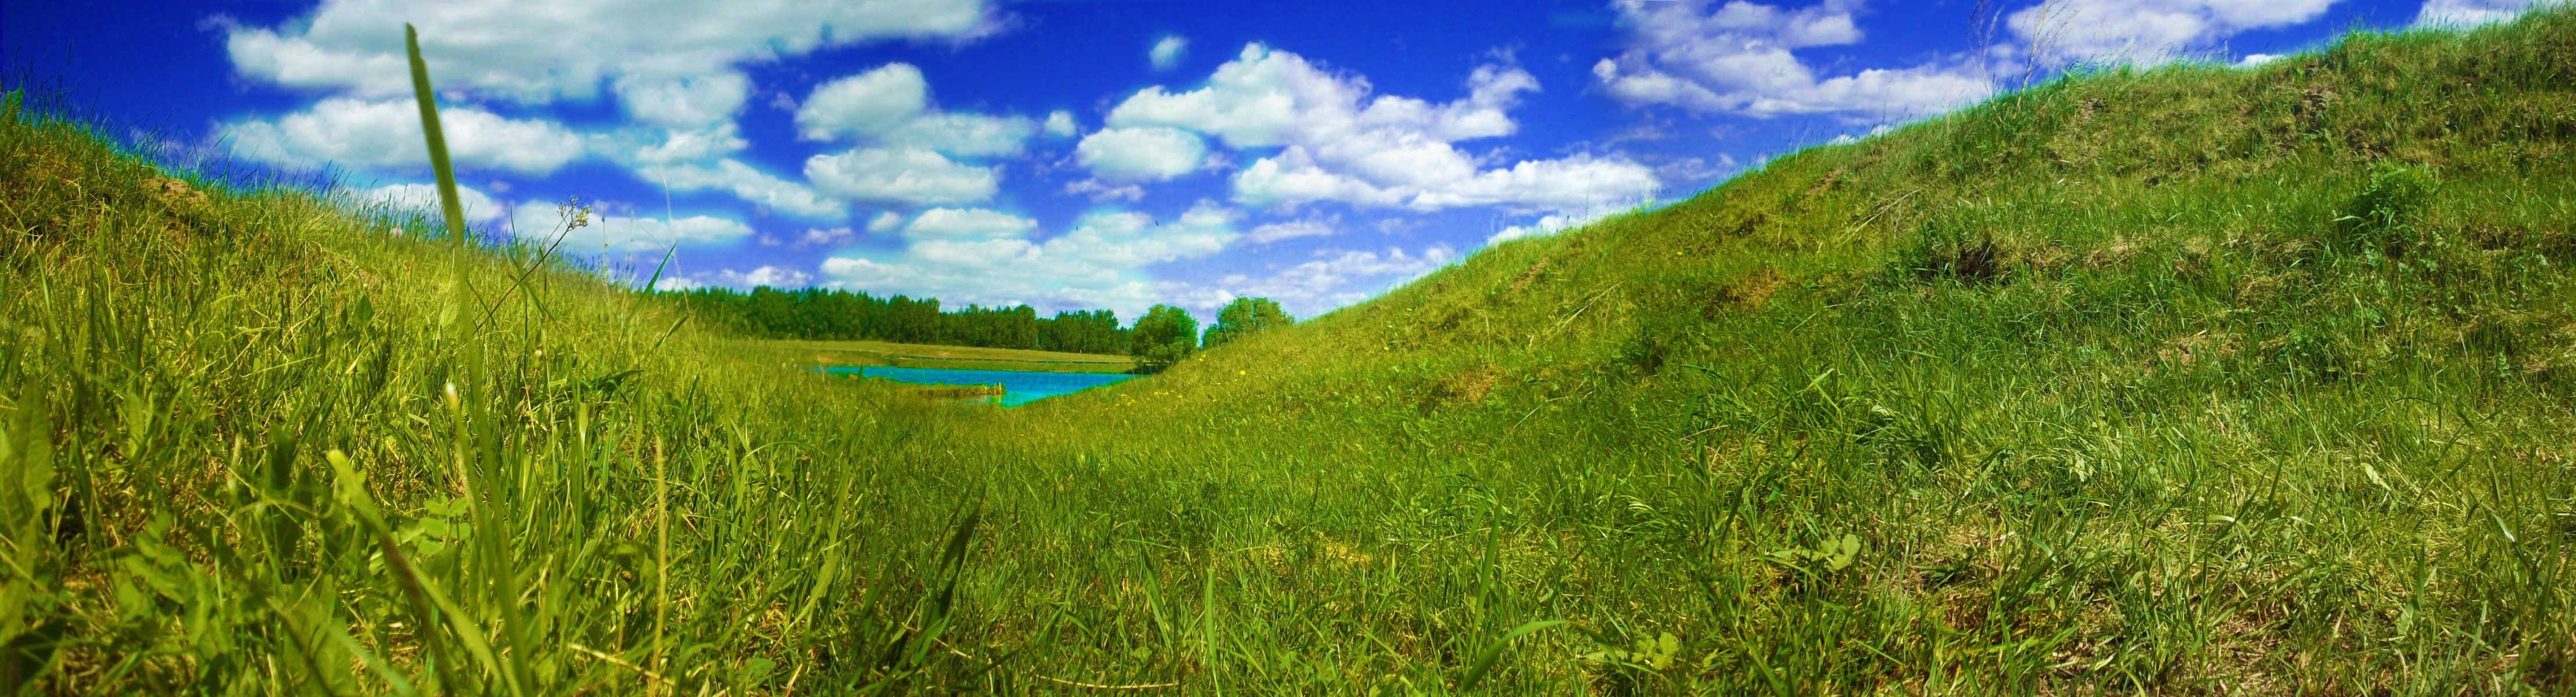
pixel 2148 31
pixel 2469 13
pixel 423 198
pixel 765 276
pixel 637 147
pixel 966 223
pixel 535 52
pixel 691 102
pixel 1168 52
pixel 361 133
pixel 1340 143
pixel 1291 229
pixel 813 237
pixel 1103 191
pixel 867 104
pixel 1334 278
pixel 1059 123
pixel 962 135
pixel 1549 225
pixel 1735 58
pixel 917 177
pixel 617 234
pixel 2255 59
pixel 751 185
pixel 1150 153
pixel 885 222
pixel 1099 262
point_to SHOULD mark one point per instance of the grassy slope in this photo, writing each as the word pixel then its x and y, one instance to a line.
pixel 847 353
pixel 2163 425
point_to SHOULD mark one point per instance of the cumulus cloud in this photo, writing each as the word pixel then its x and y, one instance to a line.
pixel 638 147
pixel 2469 13
pixel 618 234
pixel 1149 153
pixel 915 177
pixel 1549 225
pixel 1736 58
pixel 966 223
pixel 885 222
pixel 963 135
pixel 813 237
pixel 540 52
pixel 688 102
pixel 906 146
pixel 1334 278
pixel 362 133
pixel 1059 123
pixel 2148 31
pixel 1104 191
pixel 1168 52
pixel 867 104
pixel 1341 143
pixel 752 185
pixel 1291 229
pixel 423 198
pixel 765 276
pixel 1099 262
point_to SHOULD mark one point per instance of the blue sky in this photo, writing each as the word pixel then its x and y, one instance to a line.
pixel 1072 155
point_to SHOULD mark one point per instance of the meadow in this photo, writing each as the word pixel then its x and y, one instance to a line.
pixel 2193 380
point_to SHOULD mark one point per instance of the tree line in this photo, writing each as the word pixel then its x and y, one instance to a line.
pixel 837 315
pixel 1164 336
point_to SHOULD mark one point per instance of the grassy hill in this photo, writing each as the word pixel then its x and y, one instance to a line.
pixel 2191 380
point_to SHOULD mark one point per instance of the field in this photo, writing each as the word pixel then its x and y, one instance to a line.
pixel 2197 380
pixel 816 354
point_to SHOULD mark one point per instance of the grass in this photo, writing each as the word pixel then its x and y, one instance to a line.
pixel 2195 380
pixel 817 354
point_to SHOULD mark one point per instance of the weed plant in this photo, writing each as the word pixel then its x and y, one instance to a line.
pixel 2189 380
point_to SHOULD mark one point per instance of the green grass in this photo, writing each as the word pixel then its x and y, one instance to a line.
pixel 2194 380
pixel 816 354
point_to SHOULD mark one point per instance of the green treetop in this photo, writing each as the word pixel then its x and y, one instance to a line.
pixel 1243 317
pixel 1164 336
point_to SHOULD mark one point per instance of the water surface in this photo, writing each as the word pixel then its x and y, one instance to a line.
pixel 1018 386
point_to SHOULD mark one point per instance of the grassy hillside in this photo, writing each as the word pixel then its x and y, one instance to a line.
pixel 2194 380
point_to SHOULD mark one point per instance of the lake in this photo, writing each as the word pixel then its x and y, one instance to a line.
pixel 1018 386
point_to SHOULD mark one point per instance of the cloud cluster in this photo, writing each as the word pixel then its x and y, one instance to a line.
pixel 538 52
pixel 673 68
pixel 1338 142
pixel 2149 31
pixel 907 149
pixel 975 256
pixel 1333 279
pixel 618 235
pixel 386 133
pixel 1150 153
pixel 1737 58
pixel 765 276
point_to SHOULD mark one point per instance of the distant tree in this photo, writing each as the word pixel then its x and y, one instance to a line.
pixel 1243 317
pixel 1163 336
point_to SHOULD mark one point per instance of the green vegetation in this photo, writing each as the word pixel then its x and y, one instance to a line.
pixel 2193 380
pixel 1243 317
pixel 818 314
pixel 1164 336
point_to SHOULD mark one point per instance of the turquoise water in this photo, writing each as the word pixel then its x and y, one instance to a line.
pixel 1018 386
